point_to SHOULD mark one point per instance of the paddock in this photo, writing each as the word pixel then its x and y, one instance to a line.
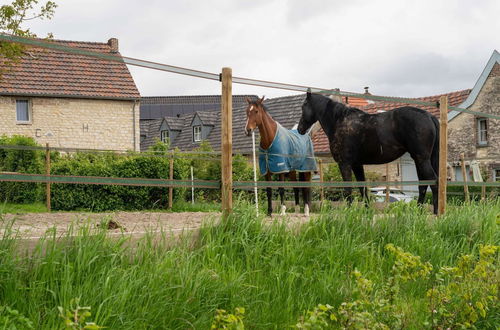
pixel 226 184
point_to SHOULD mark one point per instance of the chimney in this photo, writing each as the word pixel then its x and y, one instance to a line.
pixel 366 91
pixel 113 43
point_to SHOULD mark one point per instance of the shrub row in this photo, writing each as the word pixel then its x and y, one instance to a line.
pixel 106 197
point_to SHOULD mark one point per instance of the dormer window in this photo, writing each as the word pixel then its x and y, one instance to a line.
pixel 164 135
pixel 197 133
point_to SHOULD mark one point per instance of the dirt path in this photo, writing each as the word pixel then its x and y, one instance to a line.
pixel 34 225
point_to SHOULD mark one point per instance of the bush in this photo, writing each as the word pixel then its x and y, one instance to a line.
pixel 21 161
pixel 107 197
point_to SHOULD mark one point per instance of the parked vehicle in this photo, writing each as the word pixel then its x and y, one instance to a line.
pixel 395 195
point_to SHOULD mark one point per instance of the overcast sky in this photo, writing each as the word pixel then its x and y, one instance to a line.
pixel 399 48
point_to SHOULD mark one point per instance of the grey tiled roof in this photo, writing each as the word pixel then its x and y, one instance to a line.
pixel 191 99
pixel 208 117
pixel 286 110
pixel 185 139
pixel 150 129
pixel 157 107
pixel 175 123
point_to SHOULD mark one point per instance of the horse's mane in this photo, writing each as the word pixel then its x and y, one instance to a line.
pixel 341 108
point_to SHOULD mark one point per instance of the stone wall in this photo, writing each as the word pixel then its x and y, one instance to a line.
pixel 75 123
pixel 462 130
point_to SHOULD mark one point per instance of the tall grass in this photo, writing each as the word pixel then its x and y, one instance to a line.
pixel 273 270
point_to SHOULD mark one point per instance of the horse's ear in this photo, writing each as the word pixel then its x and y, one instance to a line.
pixel 248 100
pixel 308 95
pixel 262 99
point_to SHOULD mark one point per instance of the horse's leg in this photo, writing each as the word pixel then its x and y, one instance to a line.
pixel 282 194
pixel 296 191
pixel 306 192
pixel 426 172
pixel 346 172
pixel 269 193
pixel 359 173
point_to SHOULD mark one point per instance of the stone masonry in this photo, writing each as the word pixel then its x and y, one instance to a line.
pixel 75 123
pixel 462 130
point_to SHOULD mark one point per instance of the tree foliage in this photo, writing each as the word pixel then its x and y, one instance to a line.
pixel 12 19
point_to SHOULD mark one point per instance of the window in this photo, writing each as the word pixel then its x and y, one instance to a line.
pixel 496 174
pixel 164 135
pixel 482 131
pixel 196 133
pixel 23 111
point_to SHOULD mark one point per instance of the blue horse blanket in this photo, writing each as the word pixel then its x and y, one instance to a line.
pixel 289 151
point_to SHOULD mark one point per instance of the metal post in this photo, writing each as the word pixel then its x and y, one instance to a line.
pixel 47 172
pixel 443 153
pixel 255 175
pixel 227 142
pixel 192 186
pixel 464 176
pixel 171 176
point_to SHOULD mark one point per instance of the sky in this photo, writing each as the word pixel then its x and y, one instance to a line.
pixel 395 47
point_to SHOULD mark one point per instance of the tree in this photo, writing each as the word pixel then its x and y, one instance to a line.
pixel 12 18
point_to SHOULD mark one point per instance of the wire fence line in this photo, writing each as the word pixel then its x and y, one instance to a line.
pixel 217 77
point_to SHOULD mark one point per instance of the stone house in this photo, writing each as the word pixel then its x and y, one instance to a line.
pixel 477 136
pixel 70 100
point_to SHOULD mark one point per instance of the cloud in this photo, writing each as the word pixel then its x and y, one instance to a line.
pixel 396 47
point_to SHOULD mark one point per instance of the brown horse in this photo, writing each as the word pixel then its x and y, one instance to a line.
pixel 258 117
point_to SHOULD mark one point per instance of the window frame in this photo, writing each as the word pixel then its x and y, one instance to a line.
pixel 29 112
pixel 164 132
pixel 479 141
pixel 494 176
pixel 195 134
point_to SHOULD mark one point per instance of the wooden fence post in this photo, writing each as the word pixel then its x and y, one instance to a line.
pixel 443 153
pixel 47 172
pixel 464 176
pixel 321 179
pixel 171 177
pixel 227 142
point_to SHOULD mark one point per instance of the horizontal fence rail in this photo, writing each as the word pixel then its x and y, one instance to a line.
pixel 95 180
pixel 215 184
pixel 217 77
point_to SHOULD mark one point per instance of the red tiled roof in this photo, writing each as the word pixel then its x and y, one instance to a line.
pixel 355 102
pixel 454 99
pixel 320 140
pixel 50 72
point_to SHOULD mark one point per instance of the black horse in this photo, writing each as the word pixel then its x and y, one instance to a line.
pixel 357 138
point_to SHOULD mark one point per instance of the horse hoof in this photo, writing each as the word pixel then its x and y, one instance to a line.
pixel 283 210
pixel 306 210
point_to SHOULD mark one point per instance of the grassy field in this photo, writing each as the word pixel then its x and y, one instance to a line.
pixel 275 272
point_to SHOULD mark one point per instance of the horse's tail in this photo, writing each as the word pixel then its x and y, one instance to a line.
pixel 435 148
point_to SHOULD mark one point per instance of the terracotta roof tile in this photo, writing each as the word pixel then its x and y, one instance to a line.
pixel 49 72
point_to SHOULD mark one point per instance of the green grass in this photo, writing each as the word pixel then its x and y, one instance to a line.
pixel 275 272
pixel 37 207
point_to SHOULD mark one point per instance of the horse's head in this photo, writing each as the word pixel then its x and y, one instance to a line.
pixel 255 110
pixel 308 117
